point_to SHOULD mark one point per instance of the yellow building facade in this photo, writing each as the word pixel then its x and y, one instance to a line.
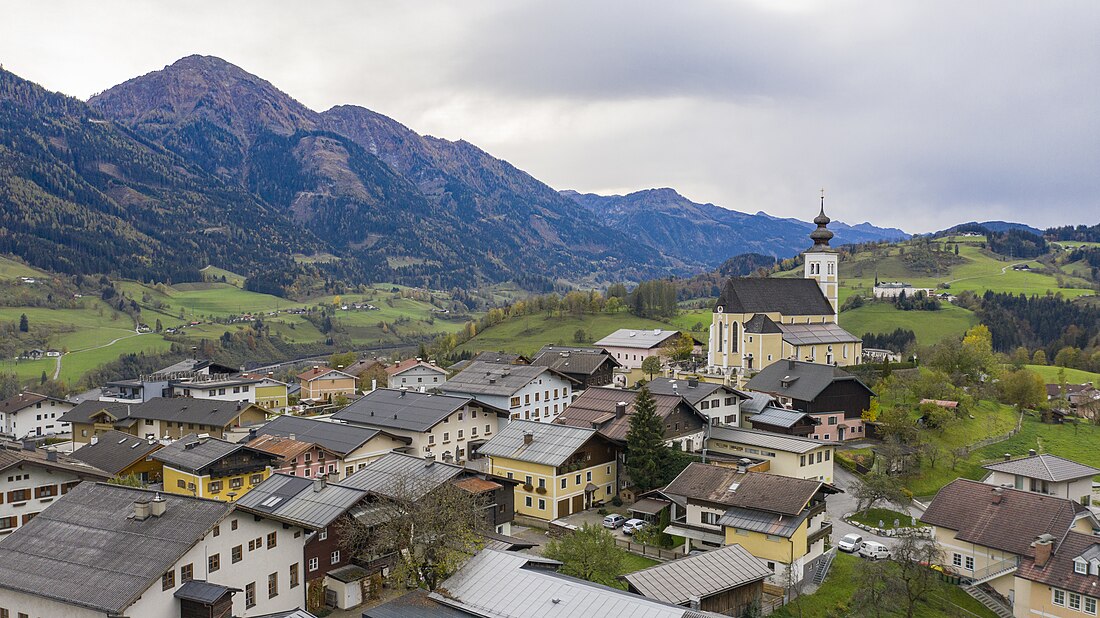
pixel 210 468
pixel 548 493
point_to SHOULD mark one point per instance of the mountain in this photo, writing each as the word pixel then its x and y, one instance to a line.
pixel 406 207
pixel 709 234
pixel 79 194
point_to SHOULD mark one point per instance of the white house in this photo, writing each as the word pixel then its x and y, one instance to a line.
pixel 152 555
pixel 632 346
pixel 721 404
pixel 31 414
pixel 32 479
pixel 527 392
pixel 1044 474
pixel 414 373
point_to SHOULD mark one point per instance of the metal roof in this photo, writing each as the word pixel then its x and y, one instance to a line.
pixel 693 394
pixel 766 439
pixel 193 453
pixel 762 522
pixel 405 409
pixel 84 550
pixel 813 334
pixel 175 409
pixel 779 417
pixel 414 604
pixel 1045 467
pixel 756 402
pixel 637 338
pixel 702 575
pixel 799 380
pixel 500 584
pixel 550 444
pixel 114 451
pixel 202 591
pixel 297 500
pixel 336 437
pixel 397 475
pixel 481 378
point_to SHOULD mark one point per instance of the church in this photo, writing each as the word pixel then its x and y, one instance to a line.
pixel 759 321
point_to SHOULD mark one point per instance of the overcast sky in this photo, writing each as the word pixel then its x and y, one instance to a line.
pixel 911 114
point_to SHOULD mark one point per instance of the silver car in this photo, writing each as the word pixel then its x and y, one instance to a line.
pixel 633 525
pixel 851 543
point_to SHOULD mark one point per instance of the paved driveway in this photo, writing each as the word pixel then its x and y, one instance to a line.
pixel 838 505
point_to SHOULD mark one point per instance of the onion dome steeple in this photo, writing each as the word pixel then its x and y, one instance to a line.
pixel 821 236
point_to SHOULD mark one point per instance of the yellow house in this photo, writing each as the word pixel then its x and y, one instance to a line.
pixel 562 470
pixel 207 467
pixel 802 458
pixel 987 532
pixel 271 394
pixel 123 455
pixel 778 519
pixel 1062 580
pixel 325 384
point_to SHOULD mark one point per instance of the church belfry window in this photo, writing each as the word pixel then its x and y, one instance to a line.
pixel 734 336
pixel 721 336
pixel 830 268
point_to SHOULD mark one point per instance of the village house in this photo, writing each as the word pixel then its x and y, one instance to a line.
pixel 727 581
pixel 325 384
pixel 721 404
pixel 630 347
pixel 1062 579
pixel 587 366
pixel 31 479
pixel 778 519
pixel 987 531
pixel 758 321
pixel 784 421
pixel 370 373
pixel 414 373
pixel 122 455
pixel 792 456
pixel 836 398
pixel 1044 474
pixel 447 426
pixel 163 418
pixel 298 458
pixel 526 392
pixel 111 550
pixel 563 469
pixel 353 445
pixel 608 410
pixel 31 414
pixel 269 393
pixel 205 467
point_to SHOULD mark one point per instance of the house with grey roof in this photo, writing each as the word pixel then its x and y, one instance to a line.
pixel 588 366
pixel 526 392
pixel 631 346
pixel 720 403
pixel 514 585
pixel 1044 474
pixel 786 455
pixel 121 454
pixel 111 550
pixel 30 414
pixel 782 420
pixel 31 479
pixel 609 410
pixel 836 398
pixel 205 467
pixel 353 444
pixel 447 426
pixel 727 581
pixel 161 417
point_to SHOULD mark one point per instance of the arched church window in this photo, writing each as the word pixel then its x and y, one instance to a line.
pixel 734 336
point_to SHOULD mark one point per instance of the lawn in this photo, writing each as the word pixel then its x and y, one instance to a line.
pixel 929 326
pixel 206 299
pixel 11 269
pixel 631 563
pixel 1080 442
pixel 990 419
pixel 834 597
pixel 1073 376
pixel 526 334
pixel 76 364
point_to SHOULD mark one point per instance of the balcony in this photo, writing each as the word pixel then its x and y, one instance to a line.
pixel 825 530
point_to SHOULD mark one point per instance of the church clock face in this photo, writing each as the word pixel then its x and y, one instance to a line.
pixel 718 308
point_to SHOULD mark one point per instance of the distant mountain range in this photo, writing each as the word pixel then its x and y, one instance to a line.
pixel 203 163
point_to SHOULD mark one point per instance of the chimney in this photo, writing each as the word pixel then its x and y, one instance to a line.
pixel 693 382
pixel 1031 452
pixel 620 409
pixel 998 494
pixel 528 437
pixel 158 506
pixel 292 436
pixel 695 603
pixel 51 455
pixel 141 510
pixel 1008 456
pixel 252 433
pixel 28 445
pixel 1043 546
pixel 373 384
pixel 429 457
pixel 319 482
pixel 790 363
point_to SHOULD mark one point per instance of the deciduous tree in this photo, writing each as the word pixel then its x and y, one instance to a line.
pixel 590 553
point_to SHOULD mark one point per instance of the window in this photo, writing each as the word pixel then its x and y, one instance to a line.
pixel 488 429
pixel 237 553
pixel 181 484
pixel 215 486
pixel 827 453
pixel 256 479
pixel 820 456
pixel 431 438
pixel 335 557
pixel 514 402
pixel 313 564
pixel 542 483
pixel 1080 566
pixel 19 495
pixel 272 585
pixel 45 491
pixel 168 580
pixel 217 530
pixel 956 560
pixel 236 483
pixel 294 575
pixel 1090 606
pixel 578 479
pixel 542 504
pixel 832 420
pixel 187 573
pixel 589 476
pixel 527 501
pixel 459 434
pixel 609 470
pixel 1075 601
pixel 213 563
pixel 446 437
pixel 802 461
pixel 233 525
pixel 710 518
pixel 969 563
pixel 271 539
pixel 250 595
pixel 564 482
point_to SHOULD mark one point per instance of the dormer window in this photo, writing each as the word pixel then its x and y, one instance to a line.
pixel 1080 566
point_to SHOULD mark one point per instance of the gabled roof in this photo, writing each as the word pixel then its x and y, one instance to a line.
pixel 85 550
pixel 645 339
pixel 800 380
pixel 285 447
pixel 968 508
pixel 14 454
pixel 781 417
pixel 114 451
pixel 551 445
pixel 1045 467
pixel 767 295
pixel 761 324
pixel 699 576
pixel 693 394
pixel 407 410
pixel 202 591
pixel 192 364
pixel 175 409
pixel 575 363
pixel 409 363
pixel 24 400
pixel 758 491
pixel 397 475
pixel 492 379
pixel 319 372
pixel 359 366
pixel 513 585
pixel 339 438
pixel 595 408
pixel 775 524
pixel 502 358
pixel 767 439
pixel 756 402
pixel 1058 571
pixel 192 453
pixel 299 501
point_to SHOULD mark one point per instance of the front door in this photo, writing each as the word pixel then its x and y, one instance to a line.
pixel 840 432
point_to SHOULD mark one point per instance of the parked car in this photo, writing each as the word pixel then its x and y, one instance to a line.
pixel 850 543
pixel 874 550
pixel 613 521
pixel 633 525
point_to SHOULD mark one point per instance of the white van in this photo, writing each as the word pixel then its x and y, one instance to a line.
pixel 874 550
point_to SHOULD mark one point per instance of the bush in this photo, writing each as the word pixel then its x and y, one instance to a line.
pixel 616 501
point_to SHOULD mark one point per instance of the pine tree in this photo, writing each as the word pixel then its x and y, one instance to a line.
pixel 646 453
pixel 24 323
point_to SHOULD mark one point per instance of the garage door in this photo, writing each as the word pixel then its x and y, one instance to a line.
pixel 563 508
pixel 578 503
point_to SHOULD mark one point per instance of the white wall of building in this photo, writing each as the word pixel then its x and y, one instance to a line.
pixel 418 376
pixel 39 419
pixel 32 478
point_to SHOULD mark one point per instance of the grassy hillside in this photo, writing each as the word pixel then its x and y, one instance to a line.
pixel 929 326
pixel 1073 376
pixel 526 334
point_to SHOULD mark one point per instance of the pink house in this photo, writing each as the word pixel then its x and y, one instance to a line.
pixel 834 427
pixel 298 458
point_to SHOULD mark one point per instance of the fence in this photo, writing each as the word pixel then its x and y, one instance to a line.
pixel 995 439
pixel 650 551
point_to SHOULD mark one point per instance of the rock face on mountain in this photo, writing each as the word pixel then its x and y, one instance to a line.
pixel 709 234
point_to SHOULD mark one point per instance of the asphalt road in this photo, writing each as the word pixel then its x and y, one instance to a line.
pixel 839 504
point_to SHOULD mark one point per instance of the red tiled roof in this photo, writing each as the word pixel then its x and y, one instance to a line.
pixel 1058 571
pixel 409 363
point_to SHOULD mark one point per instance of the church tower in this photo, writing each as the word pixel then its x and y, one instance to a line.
pixel 822 261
